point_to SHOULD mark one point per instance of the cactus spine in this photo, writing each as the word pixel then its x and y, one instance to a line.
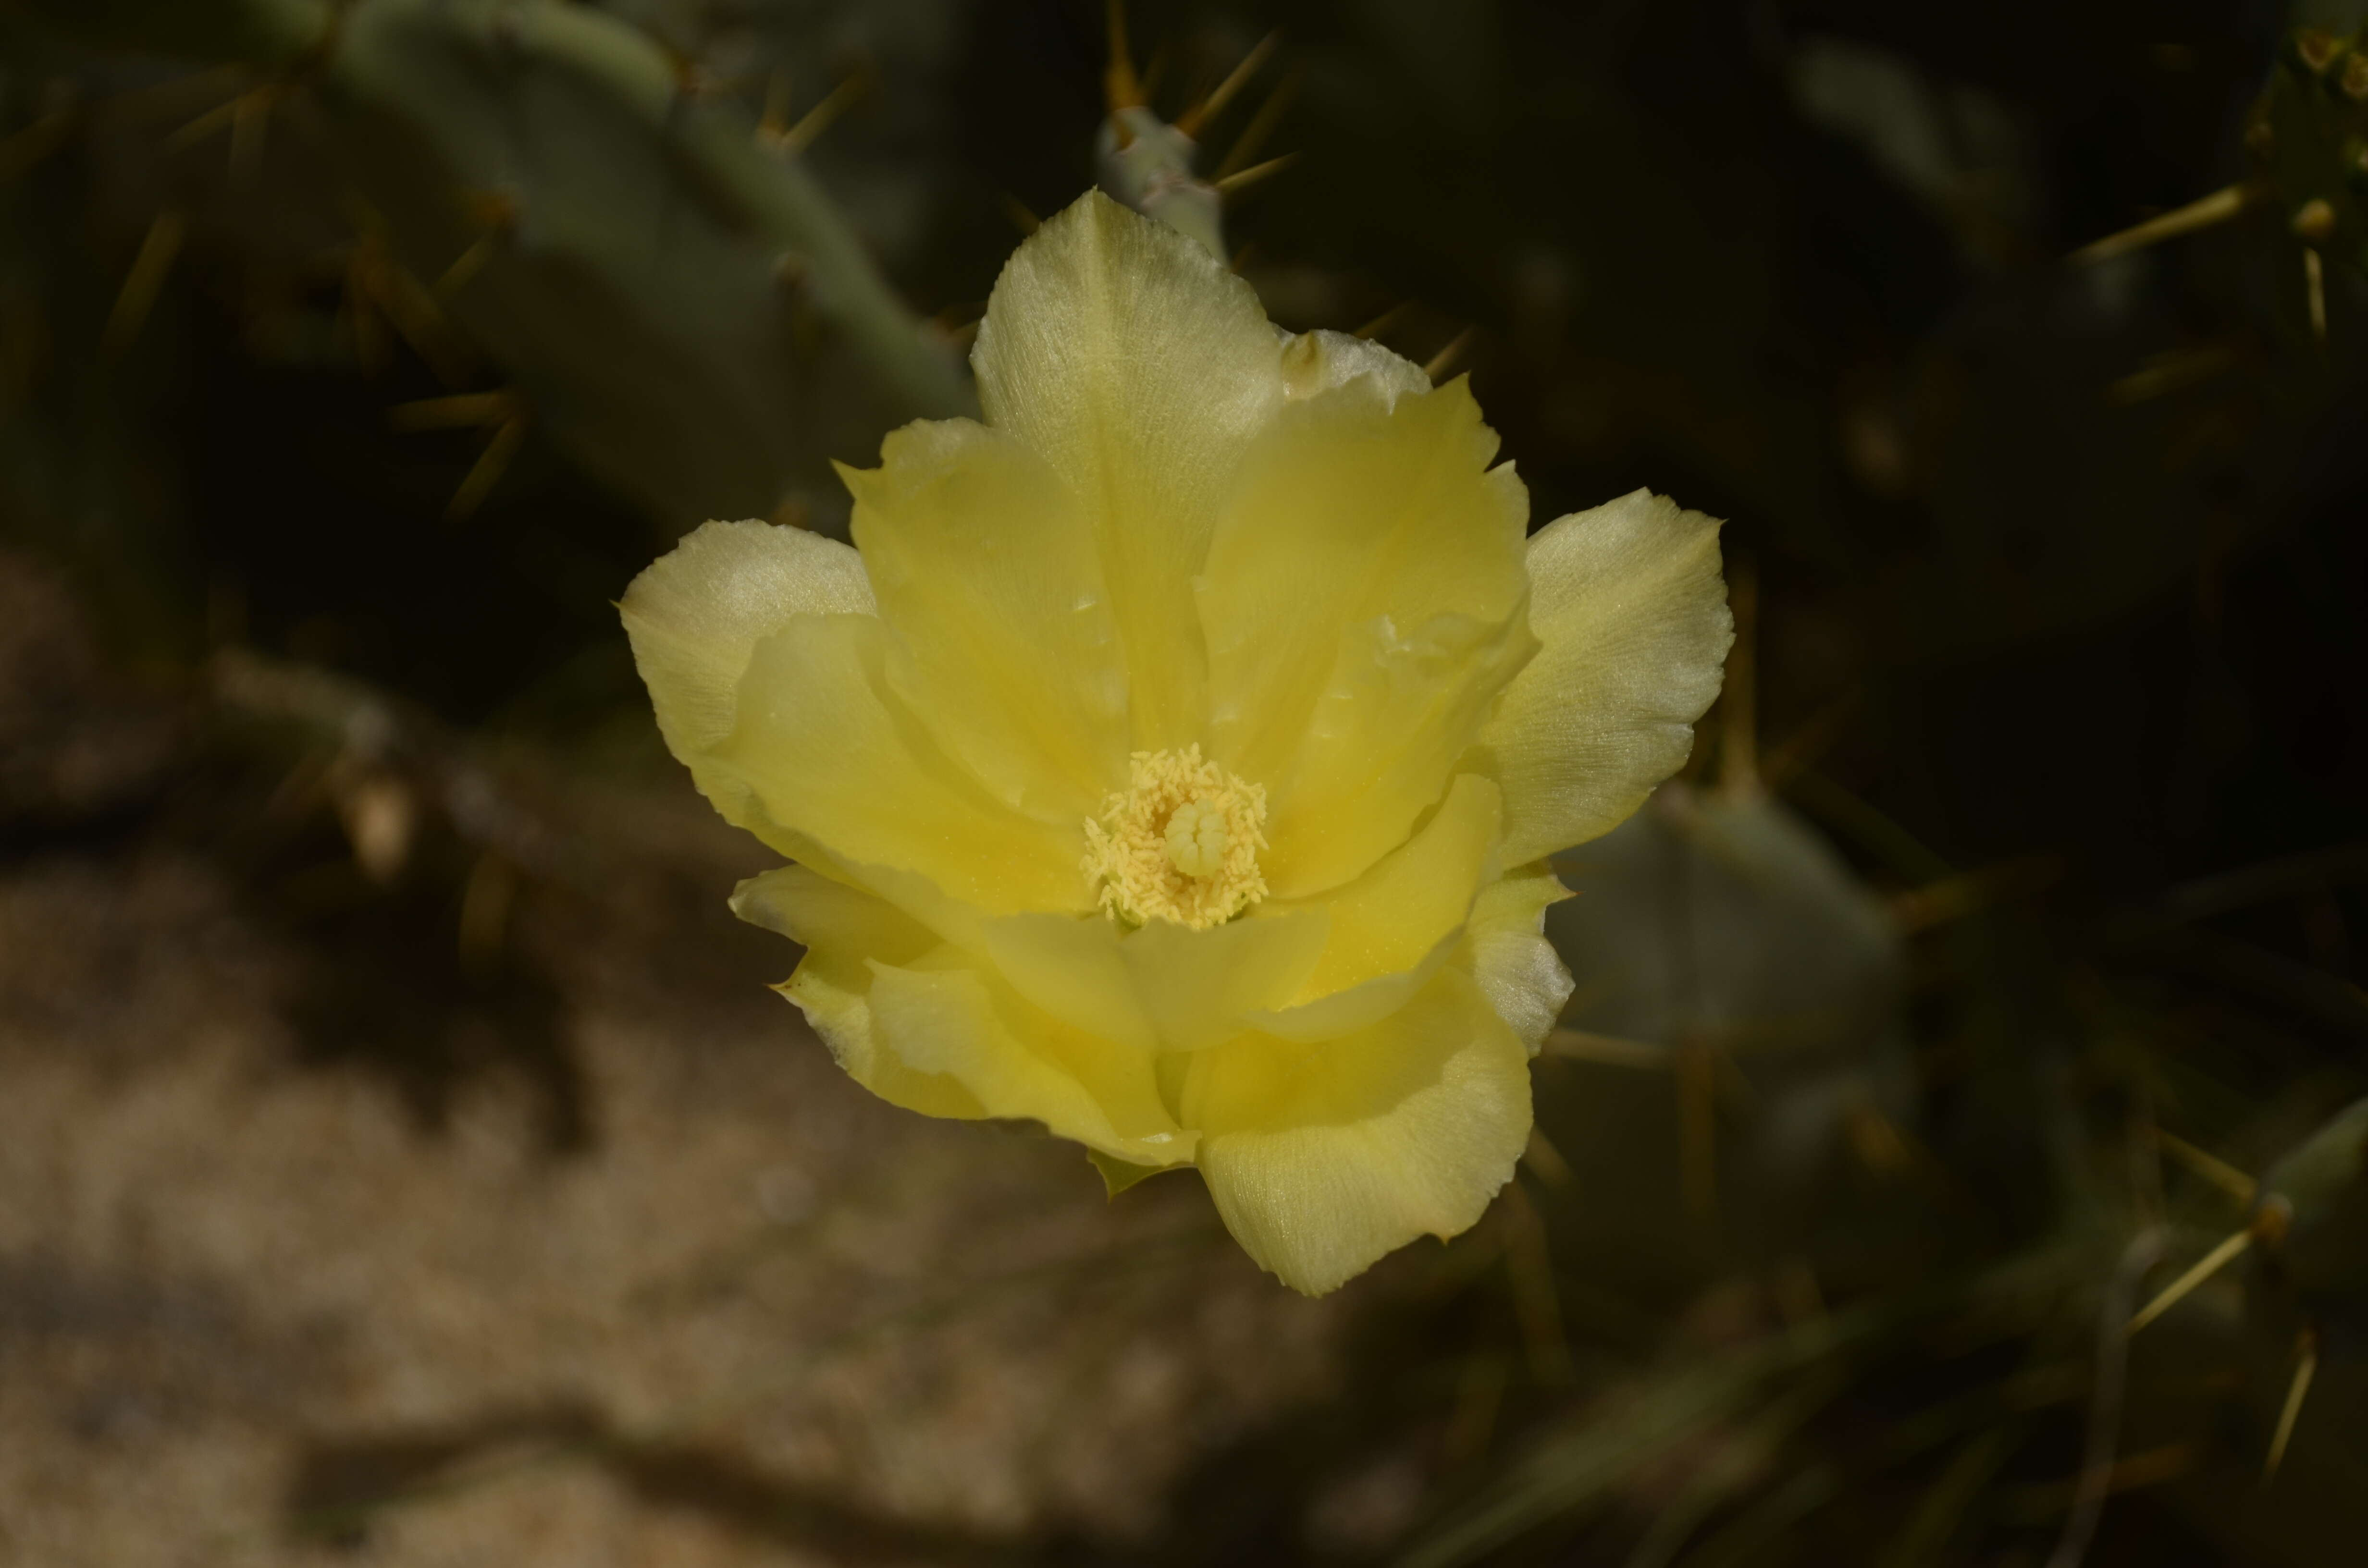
pixel 680 304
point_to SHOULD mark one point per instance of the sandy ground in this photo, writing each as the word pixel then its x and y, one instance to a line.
pixel 615 1268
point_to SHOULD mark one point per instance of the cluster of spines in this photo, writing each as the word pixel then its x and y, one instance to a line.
pixel 379 58
pixel 2307 138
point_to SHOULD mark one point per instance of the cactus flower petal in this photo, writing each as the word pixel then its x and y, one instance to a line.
pixel 1141 370
pixel 1363 606
pixel 945 1017
pixel 1171 759
pixel 985 567
pixel 1515 966
pixel 913 1020
pixel 1324 1157
pixel 1629 604
pixel 696 616
pixel 825 749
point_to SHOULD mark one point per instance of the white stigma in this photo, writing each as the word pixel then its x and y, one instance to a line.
pixel 1196 838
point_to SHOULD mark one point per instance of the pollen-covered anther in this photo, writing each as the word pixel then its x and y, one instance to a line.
pixel 1182 844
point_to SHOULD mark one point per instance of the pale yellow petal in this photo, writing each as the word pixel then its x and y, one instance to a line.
pixel 1140 368
pixel 944 1017
pixel 1316 362
pixel 1117 1175
pixel 1393 926
pixel 1070 966
pixel 697 613
pixel 816 911
pixel 1354 506
pixel 912 893
pixel 1198 986
pixel 1516 968
pixel 1631 611
pixel 1322 1158
pixel 1398 714
pixel 919 1024
pixel 1387 919
pixel 1363 606
pixel 1005 643
pixel 1161 986
pixel 827 754
pixel 844 930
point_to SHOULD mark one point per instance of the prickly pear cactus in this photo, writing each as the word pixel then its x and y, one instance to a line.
pixel 677 300
pixel 1719 927
pixel 1148 163
pixel 683 303
pixel 2308 137
pixel 1153 166
pixel 2311 1219
pixel 2305 1353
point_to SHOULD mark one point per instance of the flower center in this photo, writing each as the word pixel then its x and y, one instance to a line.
pixel 1180 845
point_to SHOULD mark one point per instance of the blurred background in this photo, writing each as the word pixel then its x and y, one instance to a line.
pixel 401 1161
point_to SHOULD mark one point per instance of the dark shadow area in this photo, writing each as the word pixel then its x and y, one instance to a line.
pixel 386 994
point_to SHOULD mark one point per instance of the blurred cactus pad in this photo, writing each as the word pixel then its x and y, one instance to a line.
pixel 671 293
pixel 2310 134
pixel 1954 1150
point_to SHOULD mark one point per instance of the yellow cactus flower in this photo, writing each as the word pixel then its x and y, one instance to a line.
pixel 1173 758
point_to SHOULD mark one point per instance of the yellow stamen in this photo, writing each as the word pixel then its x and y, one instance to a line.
pixel 1182 844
